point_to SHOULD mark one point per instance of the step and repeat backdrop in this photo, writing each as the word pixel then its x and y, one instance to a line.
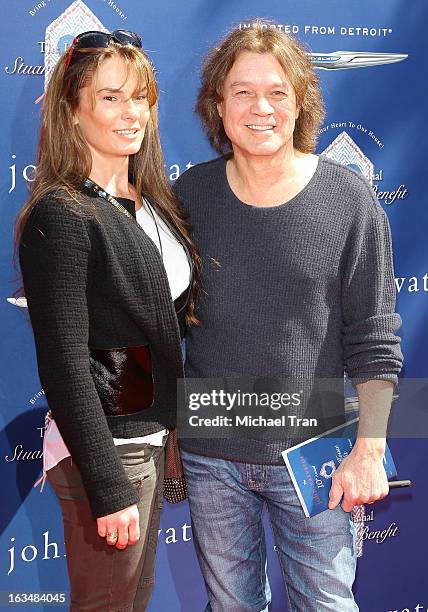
pixel 371 58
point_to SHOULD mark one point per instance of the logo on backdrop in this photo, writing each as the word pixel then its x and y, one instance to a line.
pixel 20 452
pixel 325 30
pixel 21 302
pixel 27 172
pixel 77 18
pixel 59 35
pixel 339 60
pixel 42 4
pixel 365 531
pixel 345 150
pixel 45 548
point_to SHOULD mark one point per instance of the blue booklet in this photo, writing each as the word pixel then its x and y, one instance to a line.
pixel 311 464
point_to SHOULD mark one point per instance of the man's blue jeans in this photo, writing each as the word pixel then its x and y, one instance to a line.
pixel 316 555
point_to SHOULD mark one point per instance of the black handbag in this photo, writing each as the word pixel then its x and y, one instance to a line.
pixel 174 483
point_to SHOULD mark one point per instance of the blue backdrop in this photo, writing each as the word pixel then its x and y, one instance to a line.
pixel 376 121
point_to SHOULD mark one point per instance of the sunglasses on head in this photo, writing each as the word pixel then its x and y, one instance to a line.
pixel 96 40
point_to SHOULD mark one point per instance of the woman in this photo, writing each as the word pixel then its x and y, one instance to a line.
pixel 104 251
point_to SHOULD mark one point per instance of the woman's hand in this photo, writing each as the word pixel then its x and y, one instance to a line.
pixel 120 528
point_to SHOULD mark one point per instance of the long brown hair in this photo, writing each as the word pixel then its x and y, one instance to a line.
pixel 64 159
pixel 292 55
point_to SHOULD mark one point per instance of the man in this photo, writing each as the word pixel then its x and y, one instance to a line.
pixel 297 283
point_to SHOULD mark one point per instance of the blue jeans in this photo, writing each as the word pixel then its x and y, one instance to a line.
pixel 316 555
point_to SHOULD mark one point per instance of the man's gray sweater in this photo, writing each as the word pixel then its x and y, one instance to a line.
pixel 303 291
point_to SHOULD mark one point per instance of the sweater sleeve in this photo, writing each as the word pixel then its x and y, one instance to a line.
pixel 370 345
pixel 55 259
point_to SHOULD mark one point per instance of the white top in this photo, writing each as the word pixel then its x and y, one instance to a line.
pixel 178 272
pixel 174 256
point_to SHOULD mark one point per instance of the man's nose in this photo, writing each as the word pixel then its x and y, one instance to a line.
pixel 262 106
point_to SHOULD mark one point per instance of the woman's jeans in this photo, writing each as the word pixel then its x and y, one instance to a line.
pixel 102 577
pixel 316 555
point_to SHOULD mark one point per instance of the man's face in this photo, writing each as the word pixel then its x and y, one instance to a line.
pixel 259 105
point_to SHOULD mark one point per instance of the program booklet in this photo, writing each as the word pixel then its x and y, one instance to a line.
pixel 312 463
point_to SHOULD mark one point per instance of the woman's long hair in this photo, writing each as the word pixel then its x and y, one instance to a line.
pixel 64 159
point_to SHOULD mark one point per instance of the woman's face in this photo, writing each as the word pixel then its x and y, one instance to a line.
pixel 114 126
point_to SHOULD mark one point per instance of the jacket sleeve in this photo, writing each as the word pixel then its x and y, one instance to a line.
pixel 371 347
pixel 55 259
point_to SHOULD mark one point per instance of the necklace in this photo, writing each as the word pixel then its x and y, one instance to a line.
pixel 106 196
pixel 149 208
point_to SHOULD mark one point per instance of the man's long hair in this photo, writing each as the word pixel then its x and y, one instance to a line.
pixel 261 37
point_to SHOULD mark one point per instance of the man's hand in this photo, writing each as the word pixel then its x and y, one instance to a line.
pixel 361 477
pixel 120 528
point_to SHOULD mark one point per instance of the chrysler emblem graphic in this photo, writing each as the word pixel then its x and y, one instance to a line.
pixel 339 60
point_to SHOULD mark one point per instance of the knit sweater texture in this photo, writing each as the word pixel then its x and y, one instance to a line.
pixel 300 291
pixel 94 280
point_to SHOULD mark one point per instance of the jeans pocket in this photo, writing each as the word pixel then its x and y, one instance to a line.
pixel 140 463
pixel 140 482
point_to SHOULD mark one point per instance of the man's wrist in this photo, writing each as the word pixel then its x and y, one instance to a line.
pixel 370 447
